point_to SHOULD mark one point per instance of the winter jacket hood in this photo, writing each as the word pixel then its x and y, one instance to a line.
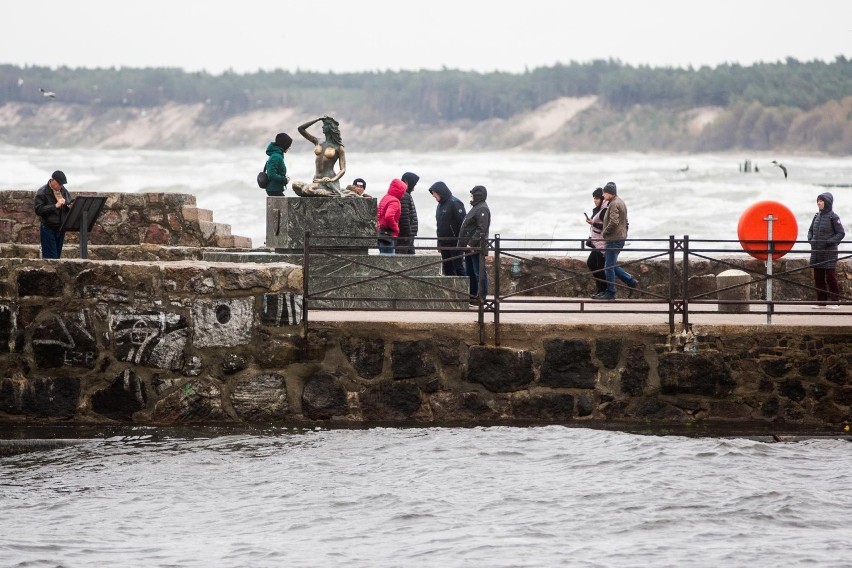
pixel 442 190
pixel 828 199
pixel 273 148
pixel 479 194
pixel 397 188
pixel 411 179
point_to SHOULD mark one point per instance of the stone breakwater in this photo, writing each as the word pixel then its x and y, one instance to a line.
pixel 127 219
pixel 192 342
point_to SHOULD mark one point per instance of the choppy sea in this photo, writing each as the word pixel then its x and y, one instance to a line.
pixel 487 496
pixel 531 195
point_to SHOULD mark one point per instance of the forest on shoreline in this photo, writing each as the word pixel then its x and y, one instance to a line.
pixel 790 105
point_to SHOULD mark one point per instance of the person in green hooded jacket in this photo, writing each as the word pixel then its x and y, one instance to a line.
pixel 275 167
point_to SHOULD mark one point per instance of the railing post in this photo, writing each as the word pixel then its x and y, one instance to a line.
pixel 497 289
pixel 671 284
pixel 480 295
pixel 306 269
pixel 685 291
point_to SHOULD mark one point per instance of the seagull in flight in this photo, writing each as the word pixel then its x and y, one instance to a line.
pixel 48 94
pixel 783 168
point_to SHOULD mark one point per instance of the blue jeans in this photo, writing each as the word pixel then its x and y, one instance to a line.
pixel 472 264
pixel 613 248
pixel 51 242
pixel 387 245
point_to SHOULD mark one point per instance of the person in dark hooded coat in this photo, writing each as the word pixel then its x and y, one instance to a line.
pixel 824 234
pixel 449 215
pixel 408 225
pixel 473 234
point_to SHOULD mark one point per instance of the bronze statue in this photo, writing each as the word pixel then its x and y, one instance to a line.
pixel 326 182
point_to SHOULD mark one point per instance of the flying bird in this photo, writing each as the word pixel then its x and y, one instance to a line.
pixel 48 94
pixel 783 168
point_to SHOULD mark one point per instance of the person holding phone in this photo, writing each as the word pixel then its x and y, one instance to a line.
pixel 595 262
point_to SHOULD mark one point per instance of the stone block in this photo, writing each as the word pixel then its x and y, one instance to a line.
pixel 261 398
pixel 150 338
pixel 124 396
pixel 500 369
pixel 65 339
pixel 336 219
pixel 282 309
pixel 39 283
pixel 324 397
pixel 740 279
pixel 567 364
pixel 222 323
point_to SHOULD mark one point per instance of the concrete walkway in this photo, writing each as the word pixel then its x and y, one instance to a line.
pixel 577 311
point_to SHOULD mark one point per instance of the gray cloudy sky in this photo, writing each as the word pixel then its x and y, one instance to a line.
pixel 352 35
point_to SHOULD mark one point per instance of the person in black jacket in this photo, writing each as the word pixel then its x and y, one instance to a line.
pixel 408 225
pixel 473 235
pixel 52 204
pixel 824 234
pixel 449 215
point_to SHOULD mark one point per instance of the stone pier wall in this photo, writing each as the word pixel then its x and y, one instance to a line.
pixel 191 342
pixel 127 219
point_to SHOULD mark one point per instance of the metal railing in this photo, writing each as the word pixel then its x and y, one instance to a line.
pixel 675 296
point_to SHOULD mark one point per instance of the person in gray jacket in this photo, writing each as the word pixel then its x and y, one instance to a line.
pixel 472 235
pixel 824 234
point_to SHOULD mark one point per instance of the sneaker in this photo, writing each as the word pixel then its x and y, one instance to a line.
pixel 605 296
pixel 633 286
pixel 818 307
pixel 833 307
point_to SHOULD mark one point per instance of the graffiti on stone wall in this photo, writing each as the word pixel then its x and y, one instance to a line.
pixel 65 339
pixel 282 309
pixel 222 323
pixel 150 338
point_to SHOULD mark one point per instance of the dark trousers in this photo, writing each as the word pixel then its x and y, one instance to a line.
pixel 387 245
pixel 825 281
pixel 405 245
pixel 595 262
pixel 51 242
pixel 452 264
pixel 471 263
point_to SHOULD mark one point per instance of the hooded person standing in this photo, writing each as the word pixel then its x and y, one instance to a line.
pixel 408 225
pixel 275 168
pixel 473 234
pixel 52 204
pixel 449 215
pixel 387 217
pixel 824 234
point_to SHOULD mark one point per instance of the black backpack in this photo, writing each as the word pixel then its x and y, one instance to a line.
pixel 262 178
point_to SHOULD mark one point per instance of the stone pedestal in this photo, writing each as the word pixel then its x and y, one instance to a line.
pixel 740 293
pixel 334 222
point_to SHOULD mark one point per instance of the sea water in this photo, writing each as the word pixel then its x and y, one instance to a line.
pixel 443 497
pixel 531 195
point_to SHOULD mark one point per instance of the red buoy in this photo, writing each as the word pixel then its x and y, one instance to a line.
pixel 752 229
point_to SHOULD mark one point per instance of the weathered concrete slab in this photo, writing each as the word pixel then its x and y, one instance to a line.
pixel 288 218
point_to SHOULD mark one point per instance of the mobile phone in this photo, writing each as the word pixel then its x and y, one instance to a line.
pixel 587 215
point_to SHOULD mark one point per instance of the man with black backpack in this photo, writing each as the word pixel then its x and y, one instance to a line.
pixel 275 169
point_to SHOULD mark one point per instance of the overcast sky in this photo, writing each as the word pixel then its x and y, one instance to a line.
pixel 352 35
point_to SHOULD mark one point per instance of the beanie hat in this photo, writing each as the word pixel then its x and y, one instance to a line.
pixel 360 183
pixel 283 140
pixel 610 188
pixel 597 193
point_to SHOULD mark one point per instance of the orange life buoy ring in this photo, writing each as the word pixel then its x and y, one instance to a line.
pixel 752 229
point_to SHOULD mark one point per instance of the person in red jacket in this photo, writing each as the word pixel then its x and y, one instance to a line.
pixel 387 216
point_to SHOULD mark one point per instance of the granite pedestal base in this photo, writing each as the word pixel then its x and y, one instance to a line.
pixel 332 221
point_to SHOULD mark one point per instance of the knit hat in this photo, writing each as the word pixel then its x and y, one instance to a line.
pixel 283 140
pixel 597 193
pixel 610 188
pixel 360 183
pixel 59 177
